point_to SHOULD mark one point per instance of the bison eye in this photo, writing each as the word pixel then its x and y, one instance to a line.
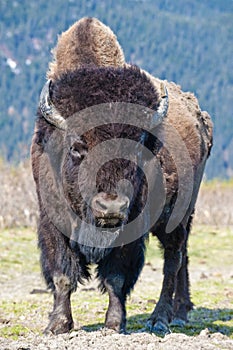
pixel 78 150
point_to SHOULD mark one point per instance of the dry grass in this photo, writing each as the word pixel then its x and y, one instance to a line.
pixel 215 204
pixel 18 196
pixel 19 203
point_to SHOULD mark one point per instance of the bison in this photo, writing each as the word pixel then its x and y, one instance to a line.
pixel 116 155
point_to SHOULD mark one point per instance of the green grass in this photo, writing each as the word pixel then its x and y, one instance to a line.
pixel 217 183
pixel 14 332
pixel 211 262
pixel 18 253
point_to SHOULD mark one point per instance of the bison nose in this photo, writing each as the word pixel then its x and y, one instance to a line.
pixel 110 204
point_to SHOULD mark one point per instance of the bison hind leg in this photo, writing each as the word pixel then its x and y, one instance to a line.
pixel 163 313
pixel 182 301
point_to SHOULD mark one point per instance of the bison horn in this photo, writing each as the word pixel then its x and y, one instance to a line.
pixel 48 110
pixel 162 108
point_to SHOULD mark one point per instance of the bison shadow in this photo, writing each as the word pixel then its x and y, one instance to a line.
pixel 215 320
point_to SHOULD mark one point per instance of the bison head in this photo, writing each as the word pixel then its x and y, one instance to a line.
pixel 104 117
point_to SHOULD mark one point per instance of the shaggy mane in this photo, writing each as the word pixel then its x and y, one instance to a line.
pixel 86 42
pixel 91 86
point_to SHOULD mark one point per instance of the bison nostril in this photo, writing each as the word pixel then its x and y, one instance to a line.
pixel 105 206
pixel 101 205
pixel 124 206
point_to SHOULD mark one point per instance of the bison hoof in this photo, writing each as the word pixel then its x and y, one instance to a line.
pixel 178 322
pixel 59 326
pixel 115 326
pixel 112 328
pixel 159 328
pixel 149 325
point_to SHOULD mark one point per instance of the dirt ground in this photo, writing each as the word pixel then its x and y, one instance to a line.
pixel 20 286
pixel 103 339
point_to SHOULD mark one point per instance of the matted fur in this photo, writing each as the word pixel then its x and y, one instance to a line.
pixel 90 86
pixel 87 42
pixel 88 69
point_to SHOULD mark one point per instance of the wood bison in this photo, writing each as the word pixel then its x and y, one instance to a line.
pixel 115 155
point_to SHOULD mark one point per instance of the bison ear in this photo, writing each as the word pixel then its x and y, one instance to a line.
pixel 162 109
pixel 48 110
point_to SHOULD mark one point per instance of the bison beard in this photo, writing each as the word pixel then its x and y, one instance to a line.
pixel 68 247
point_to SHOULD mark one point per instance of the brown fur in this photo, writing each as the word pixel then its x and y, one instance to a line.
pixel 87 42
pixel 89 69
pixel 91 86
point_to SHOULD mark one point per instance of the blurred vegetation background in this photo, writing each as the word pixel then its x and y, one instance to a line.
pixel 185 41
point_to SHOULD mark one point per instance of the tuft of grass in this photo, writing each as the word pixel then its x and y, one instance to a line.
pixel 21 317
pixel 215 320
pixel 15 331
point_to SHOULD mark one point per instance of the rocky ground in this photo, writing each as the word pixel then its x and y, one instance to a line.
pixel 104 339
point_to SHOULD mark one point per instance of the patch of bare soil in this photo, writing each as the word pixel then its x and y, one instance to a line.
pixel 105 339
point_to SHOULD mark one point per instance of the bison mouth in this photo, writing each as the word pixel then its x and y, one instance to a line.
pixel 110 210
pixel 110 221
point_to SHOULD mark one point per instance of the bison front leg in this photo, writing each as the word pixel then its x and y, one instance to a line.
pixel 61 272
pixel 61 320
pixel 118 273
pixel 163 312
pixel 116 313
